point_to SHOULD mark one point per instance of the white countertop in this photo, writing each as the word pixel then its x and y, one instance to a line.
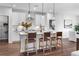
pixel 22 33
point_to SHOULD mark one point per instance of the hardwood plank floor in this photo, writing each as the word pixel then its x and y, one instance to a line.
pixel 14 49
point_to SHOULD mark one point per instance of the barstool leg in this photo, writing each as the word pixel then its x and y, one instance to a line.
pixel 39 45
pixel 50 45
pixel 56 44
pixel 46 44
pixel 36 48
pixel 27 52
pixel 62 45
pixel 43 48
pixel 27 48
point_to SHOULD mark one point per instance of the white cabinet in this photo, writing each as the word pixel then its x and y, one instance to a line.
pixel 72 36
pixel 77 35
pixel 40 20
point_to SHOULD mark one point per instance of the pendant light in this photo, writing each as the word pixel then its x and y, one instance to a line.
pixel 29 13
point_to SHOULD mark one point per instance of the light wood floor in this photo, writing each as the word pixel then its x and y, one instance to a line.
pixel 14 49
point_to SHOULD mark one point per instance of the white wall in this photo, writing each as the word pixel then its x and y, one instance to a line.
pixel 60 23
pixel 77 19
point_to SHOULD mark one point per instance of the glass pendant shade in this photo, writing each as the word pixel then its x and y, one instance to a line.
pixel 29 14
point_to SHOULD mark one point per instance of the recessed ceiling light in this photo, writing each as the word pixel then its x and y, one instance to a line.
pixel 35 7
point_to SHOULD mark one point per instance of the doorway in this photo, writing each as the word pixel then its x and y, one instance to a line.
pixel 4 28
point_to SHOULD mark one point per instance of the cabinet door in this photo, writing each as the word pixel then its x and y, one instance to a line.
pixel 40 20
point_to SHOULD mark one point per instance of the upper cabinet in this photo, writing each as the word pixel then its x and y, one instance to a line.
pixel 40 20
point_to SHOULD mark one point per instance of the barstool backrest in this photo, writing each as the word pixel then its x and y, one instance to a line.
pixel 59 33
pixel 31 36
pixel 46 34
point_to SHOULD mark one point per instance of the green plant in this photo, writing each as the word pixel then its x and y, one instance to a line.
pixel 77 28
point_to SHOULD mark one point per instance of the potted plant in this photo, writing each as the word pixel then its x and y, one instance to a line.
pixel 77 28
pixel 26 24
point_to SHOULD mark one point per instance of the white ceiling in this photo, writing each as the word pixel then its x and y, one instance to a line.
pixel 67 8
pixel 59 7
pixel 24 6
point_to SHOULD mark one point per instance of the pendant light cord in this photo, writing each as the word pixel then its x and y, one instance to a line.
pixel 29 7
pixel 42 8
pixel 54 9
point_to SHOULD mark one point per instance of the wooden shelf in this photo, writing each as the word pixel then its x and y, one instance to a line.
pixel 5 24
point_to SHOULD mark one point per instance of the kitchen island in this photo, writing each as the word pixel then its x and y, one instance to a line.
pixel 23 37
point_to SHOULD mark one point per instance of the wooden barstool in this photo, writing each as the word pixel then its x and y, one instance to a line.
pixel 59 40
pixel 53 40
pixel 45 39
pixel 31 39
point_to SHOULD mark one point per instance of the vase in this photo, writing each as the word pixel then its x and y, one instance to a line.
pixel 26 30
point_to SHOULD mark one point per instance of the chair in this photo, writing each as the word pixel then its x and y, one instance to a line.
pixel 53 40
pixel 31 39
pixel 59 40
pixel 45 39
